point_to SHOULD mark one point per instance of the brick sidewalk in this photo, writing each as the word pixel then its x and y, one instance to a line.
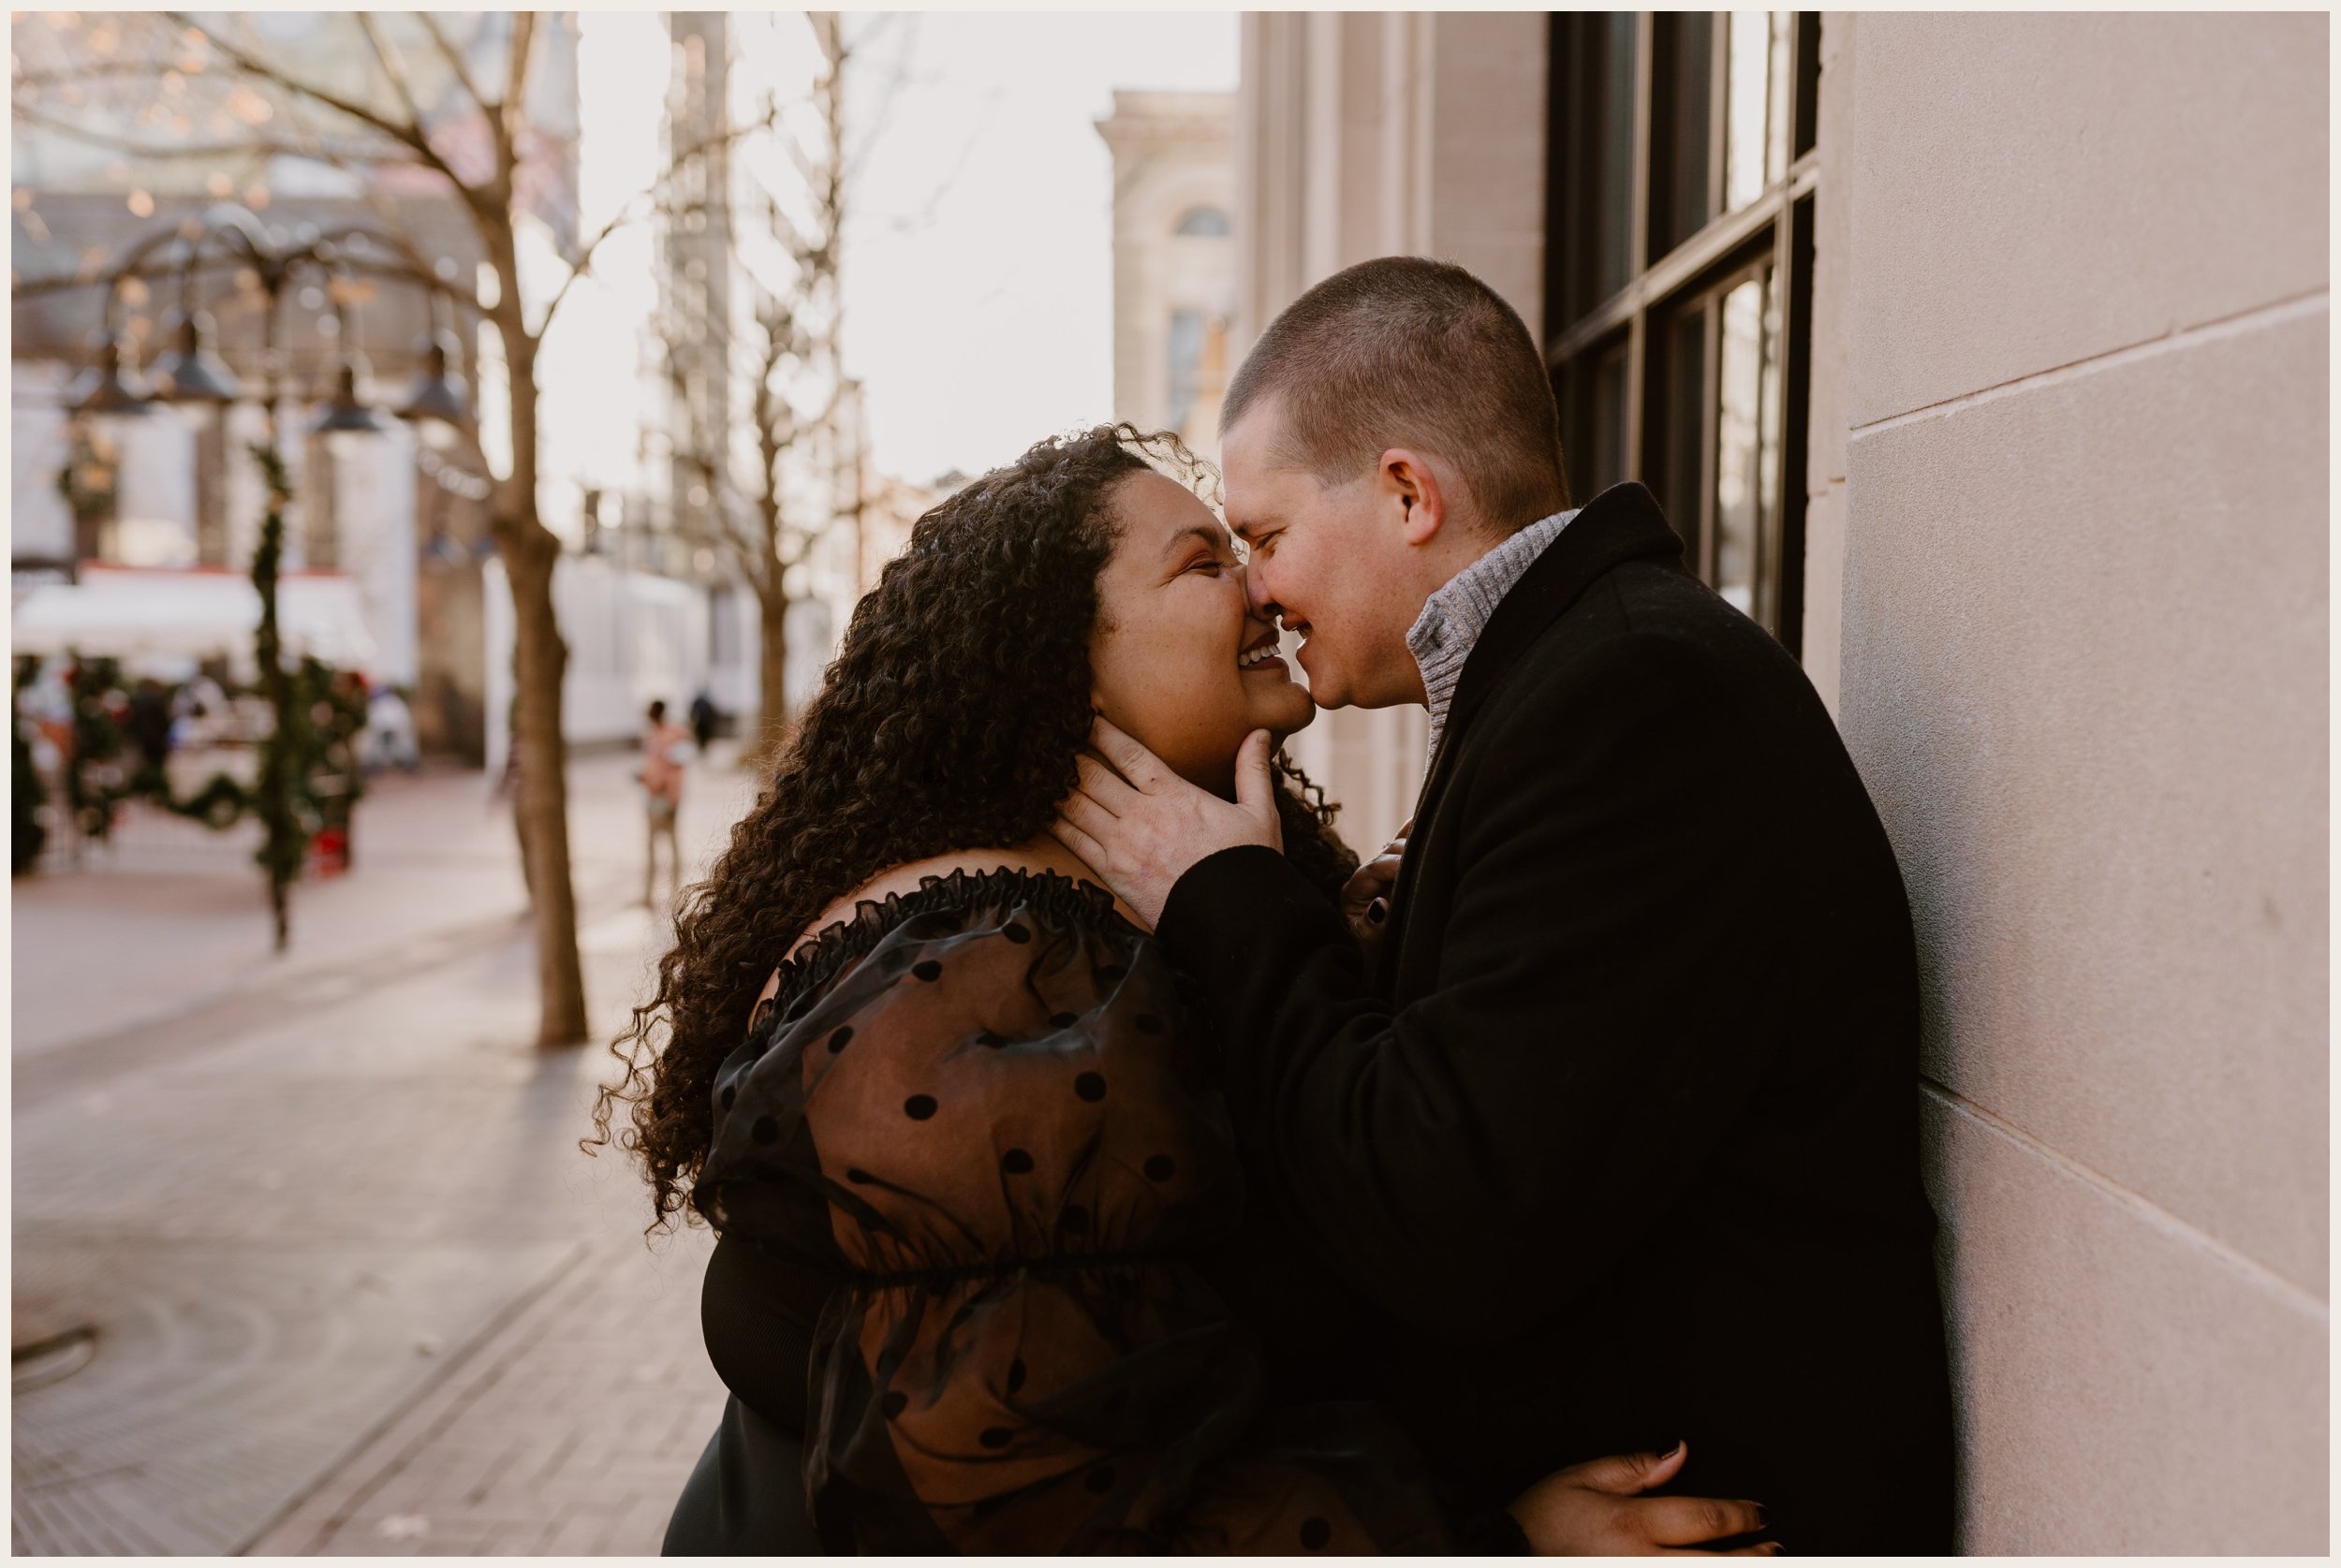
pixel 570 1432
pixel 340 1279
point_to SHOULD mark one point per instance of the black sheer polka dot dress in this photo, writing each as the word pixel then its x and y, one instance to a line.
pixel 961 1166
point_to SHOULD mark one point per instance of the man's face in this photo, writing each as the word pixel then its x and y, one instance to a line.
pixel 1331 561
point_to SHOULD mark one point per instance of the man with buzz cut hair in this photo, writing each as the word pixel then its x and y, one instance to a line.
pixel 1611 1124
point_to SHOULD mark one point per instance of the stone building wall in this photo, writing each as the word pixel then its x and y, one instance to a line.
pixel 2070 485
pixel 1173 257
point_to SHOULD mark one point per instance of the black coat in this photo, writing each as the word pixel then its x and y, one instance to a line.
pixel 1619 1142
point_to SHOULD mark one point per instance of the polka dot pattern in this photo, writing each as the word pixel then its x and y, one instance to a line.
pixel 966 1184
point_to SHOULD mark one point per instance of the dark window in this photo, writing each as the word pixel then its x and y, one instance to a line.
pixel 1679 234
pixel 1596 97
pixel 1682 146
pixel 1207 222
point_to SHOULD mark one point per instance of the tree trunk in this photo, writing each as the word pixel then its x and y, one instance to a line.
pixel 772 725
pixel 530 552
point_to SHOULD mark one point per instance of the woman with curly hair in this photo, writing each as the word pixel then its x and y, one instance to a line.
pixel 979 1208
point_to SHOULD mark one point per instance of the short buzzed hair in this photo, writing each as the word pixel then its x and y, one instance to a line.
pixel 1404 351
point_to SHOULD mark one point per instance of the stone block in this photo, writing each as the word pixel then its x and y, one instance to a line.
pixel 2085 675
pixel 2034 190
pixel 2121 1388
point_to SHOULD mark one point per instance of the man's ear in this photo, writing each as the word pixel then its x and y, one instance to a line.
pixel 1411 485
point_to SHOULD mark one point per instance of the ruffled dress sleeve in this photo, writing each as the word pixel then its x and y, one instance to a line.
pixel 985 1100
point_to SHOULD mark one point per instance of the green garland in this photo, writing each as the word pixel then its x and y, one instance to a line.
pixel 285 842
pixel 27 834
pixel 94 781
pixel 220 803
pixel 89 479
pixel 316 721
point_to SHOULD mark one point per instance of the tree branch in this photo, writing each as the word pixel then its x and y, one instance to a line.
pixel 409 135
pixel 391 67
pixel 94 71
pixel 256 148
pixel 454 58
pixel 516 69
pixel 621 217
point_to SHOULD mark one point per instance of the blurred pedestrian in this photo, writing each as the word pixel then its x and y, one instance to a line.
pixel 149 725
pixel 390 732
pixel 704 717
pixel 661 776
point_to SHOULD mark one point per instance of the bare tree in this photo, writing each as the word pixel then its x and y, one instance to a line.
pixel 766 519
pixel 445 111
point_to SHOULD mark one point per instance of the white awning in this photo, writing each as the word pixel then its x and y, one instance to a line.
pixel 126 613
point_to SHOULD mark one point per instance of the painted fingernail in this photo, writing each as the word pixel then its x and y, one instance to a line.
pixel 1378 911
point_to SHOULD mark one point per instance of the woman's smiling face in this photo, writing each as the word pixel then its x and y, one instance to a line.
pixel 1177 660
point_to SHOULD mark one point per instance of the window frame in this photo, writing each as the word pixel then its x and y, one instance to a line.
pixel 1774 229
pixel 1215 223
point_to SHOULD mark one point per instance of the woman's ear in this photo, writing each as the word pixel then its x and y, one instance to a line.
pixel 1411 484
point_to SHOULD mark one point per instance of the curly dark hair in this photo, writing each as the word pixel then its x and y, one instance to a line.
pixel 950 721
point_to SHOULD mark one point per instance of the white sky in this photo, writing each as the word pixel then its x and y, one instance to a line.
pixel 979 260
pixel 978 277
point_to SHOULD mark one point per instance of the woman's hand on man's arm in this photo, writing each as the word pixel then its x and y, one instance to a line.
pixel 1595 1510
pixel 1365 897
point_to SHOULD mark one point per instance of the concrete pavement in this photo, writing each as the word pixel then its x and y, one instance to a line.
pixel 304 1251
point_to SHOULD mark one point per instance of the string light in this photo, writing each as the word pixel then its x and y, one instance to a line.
pixel 454 481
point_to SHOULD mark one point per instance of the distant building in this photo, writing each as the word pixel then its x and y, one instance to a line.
pixel 1175 259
